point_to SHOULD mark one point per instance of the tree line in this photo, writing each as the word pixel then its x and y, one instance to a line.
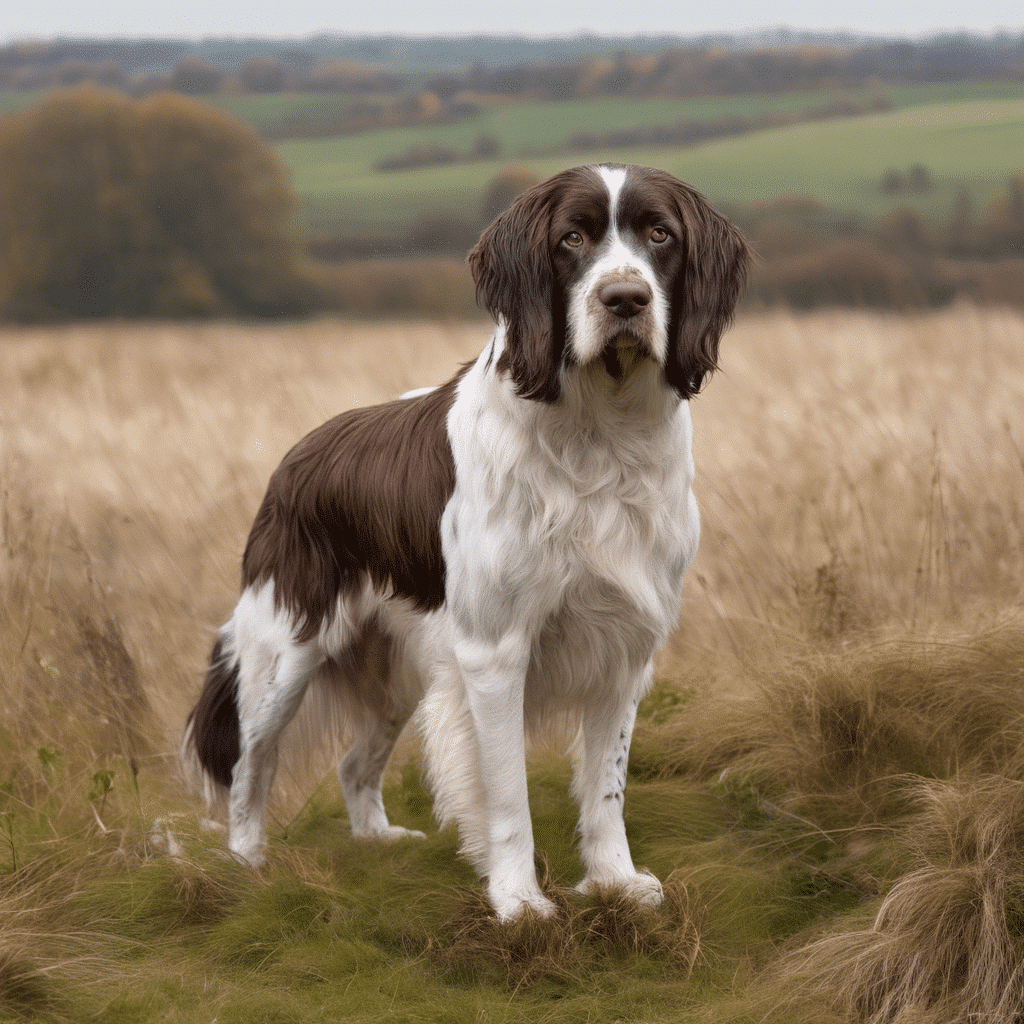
pixel 560 69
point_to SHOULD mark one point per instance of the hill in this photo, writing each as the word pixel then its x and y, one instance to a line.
pixel 967 135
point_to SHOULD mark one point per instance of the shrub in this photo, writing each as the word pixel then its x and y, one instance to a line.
pixel 267 74
pixel 195 76
pixel 353 76
pixel 502 190
pixel 155 206
pixel 998 282
pixel 903 230
pixel 412 287
pixel 851 272
pixel 418 156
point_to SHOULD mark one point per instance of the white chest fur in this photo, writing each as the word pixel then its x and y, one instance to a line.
pixel 572 522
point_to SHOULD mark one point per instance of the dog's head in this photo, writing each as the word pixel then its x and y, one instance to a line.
pixel 600 260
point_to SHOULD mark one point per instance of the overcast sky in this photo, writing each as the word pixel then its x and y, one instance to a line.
pixel 44 19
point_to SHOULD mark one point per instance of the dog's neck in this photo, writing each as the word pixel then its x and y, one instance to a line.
pixel 622 390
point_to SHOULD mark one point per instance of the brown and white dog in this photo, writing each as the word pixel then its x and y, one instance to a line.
pixel 505 550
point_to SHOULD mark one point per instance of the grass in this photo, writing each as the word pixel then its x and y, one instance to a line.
pixel 826 776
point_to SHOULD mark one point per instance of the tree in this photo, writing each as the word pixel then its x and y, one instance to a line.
pixel 503 188
pixel 1015 202
pixel 963 221
pixel 1005 228
pixel 195 77
pixel 486 146
pixel 903 230
pixel 919 178
pixel 132 207
pixel 891 183
pixel 267 74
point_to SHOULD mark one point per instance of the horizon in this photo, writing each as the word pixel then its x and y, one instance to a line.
pixel 779 32
pixel 71 20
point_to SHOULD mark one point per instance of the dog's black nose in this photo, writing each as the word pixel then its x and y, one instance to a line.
pixel 625 298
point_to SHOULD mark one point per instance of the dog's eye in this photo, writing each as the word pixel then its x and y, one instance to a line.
pixel 574 240
pixel 659 235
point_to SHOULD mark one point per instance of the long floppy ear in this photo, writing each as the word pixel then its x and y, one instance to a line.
pixel 515 280
pixel 705 291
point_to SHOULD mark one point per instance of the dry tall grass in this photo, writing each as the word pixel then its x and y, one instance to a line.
pixel 851 627
pixel 857 473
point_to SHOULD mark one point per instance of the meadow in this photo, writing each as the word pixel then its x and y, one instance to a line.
pixel 827 774
pixel 968 135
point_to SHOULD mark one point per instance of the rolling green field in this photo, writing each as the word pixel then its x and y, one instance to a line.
pixel 975 143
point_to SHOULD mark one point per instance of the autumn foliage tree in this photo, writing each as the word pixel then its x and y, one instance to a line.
pixel 503 188
pixel 158 206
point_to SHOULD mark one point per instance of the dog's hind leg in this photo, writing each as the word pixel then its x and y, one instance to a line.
pixel 260 731
pixel 361 774
pixel 384 692
pixel 273 671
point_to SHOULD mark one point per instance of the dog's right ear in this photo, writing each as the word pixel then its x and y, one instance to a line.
pixel 515 280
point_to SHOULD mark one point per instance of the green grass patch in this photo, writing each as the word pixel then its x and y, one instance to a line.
pixel 278 115
pixel 336 929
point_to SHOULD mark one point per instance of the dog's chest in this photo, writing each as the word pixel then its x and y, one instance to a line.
pixel 574 525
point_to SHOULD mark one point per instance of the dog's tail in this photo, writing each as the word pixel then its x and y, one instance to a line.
pixel 210 745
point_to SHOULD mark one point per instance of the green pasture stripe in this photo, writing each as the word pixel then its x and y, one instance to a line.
pixel 976 143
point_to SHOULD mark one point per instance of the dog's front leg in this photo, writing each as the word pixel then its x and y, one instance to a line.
pixel 600 787
pixel 494 674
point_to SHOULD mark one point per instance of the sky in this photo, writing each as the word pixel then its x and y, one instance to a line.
pixel 46 19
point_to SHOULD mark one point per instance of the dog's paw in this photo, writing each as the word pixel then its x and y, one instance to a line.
pixel 391 834
pixel 640 886
pixel 250 855
pixel 511 908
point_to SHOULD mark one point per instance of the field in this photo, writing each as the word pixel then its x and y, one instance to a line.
pixel 967 135
pixel 827 773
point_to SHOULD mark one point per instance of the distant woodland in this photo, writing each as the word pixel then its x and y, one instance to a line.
pixel 553 69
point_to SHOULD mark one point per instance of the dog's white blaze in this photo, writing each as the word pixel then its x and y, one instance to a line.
pixel 615 257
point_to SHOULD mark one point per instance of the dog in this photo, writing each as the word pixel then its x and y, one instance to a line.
pixel 504 551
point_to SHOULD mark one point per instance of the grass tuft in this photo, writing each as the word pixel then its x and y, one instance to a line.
pixel 945 945
pixel 673 934
pixel 947 940
pixel 586 932
pixel 25 991
pixel 836 735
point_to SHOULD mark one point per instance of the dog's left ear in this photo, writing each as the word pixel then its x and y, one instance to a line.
pixel 515 280
pixel 705 291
